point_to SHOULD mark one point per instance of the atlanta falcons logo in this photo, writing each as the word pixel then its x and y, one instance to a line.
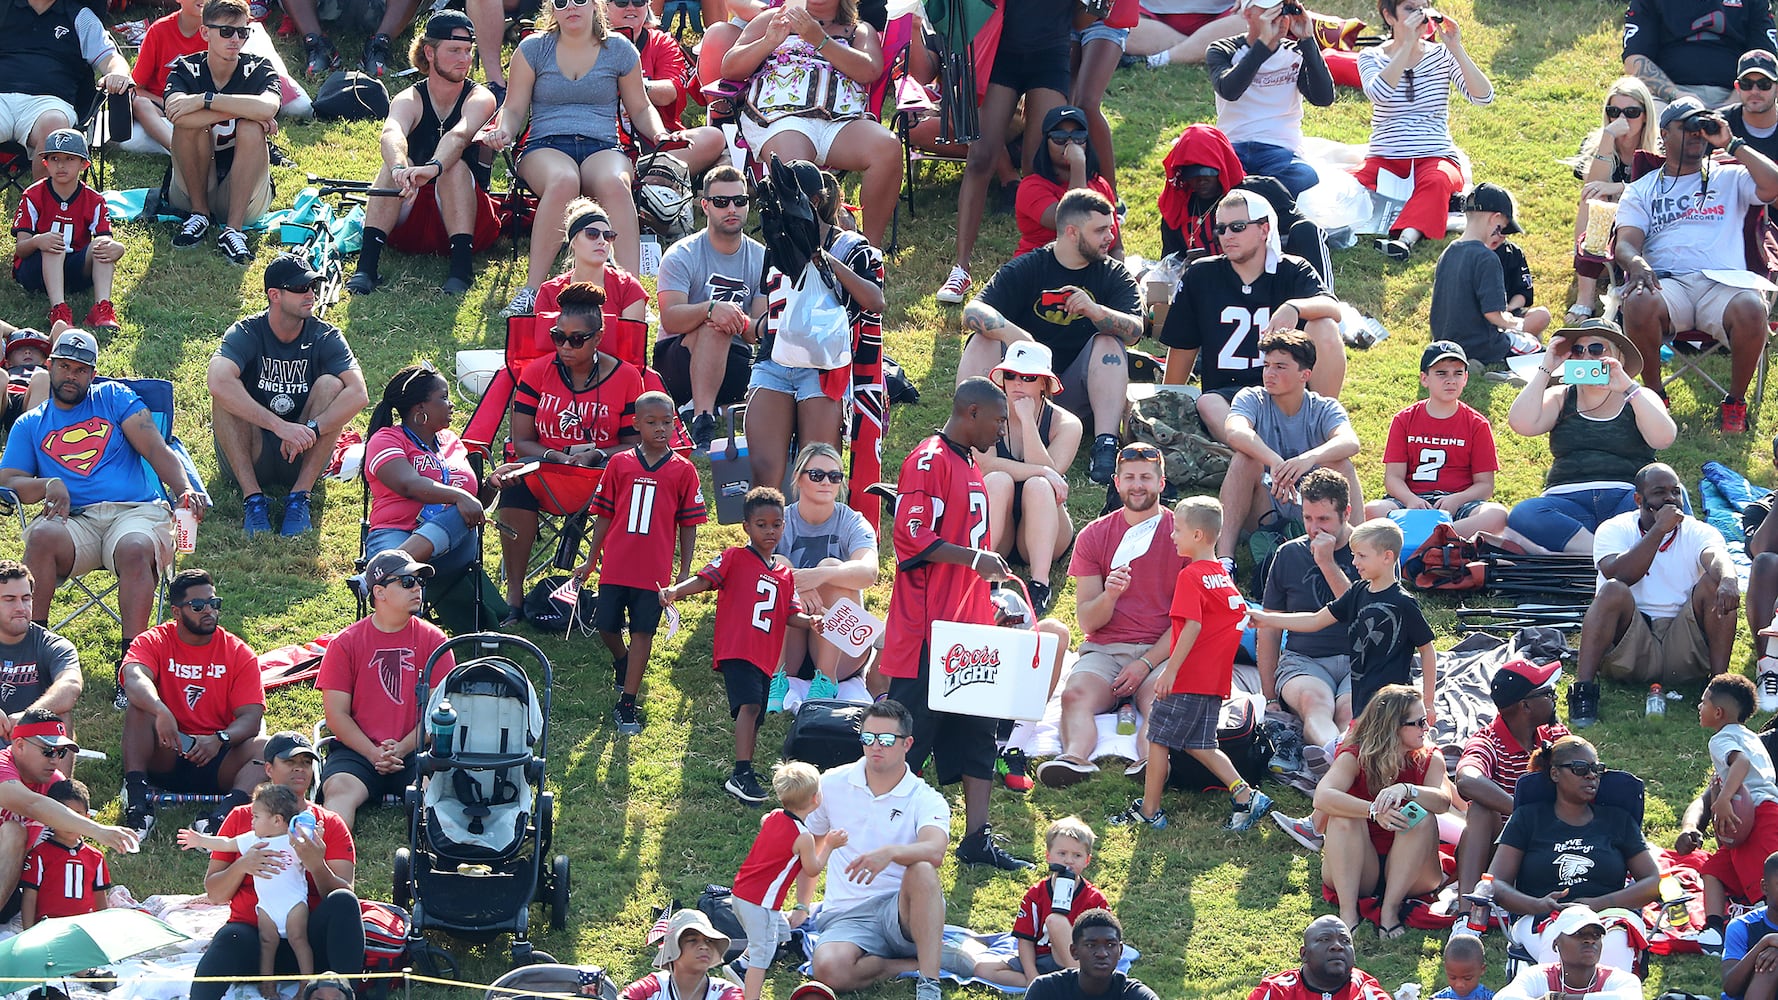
pixel 1572 867
pixel 393 667
pixel 193 692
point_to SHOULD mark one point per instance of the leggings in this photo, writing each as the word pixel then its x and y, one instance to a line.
pixel 336 932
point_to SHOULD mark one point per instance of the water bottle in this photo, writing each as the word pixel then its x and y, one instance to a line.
pixel 1063 882
pixel 1657 705
pixel 444 727
pixel 1126 719
pixel 1673 900
pixel 1481 901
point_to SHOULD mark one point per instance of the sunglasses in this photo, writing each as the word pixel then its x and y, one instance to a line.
pixel 231 31
pixel 1234 227
pixel 1069 135
pixel 53 753
pixel 1419 723
pixel 1030 378
pixel 565 4
pixel 834 476
pixel 313 286
pixel 1580 768
pixel 880 739
pixel 627 3
pixel 599 234
pixel 408 581
pixel 1613 113
pixel 570 339
pixel 202 603
pixel 1755 83
pixel 1593 350
pixel 725 200
pixel 1139 452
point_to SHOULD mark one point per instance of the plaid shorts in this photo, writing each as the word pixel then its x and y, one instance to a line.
pixel 1184 721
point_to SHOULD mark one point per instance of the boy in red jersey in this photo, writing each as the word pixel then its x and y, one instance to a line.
pixel 755 599
pixel 64 876
pixel 942 572
pixel 785 851
pixel 1440 453
pixel 63 235
pixel 646 493
pixel 1207 618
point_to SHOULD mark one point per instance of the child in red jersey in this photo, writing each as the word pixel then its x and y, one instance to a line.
pixel 755 599
pixel 64 875
pixel 1045 924
pixel 647 495
pixel 1207 618
pixel 784 852
pixel 62 234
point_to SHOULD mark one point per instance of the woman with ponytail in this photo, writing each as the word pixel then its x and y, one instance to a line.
pixel 422 489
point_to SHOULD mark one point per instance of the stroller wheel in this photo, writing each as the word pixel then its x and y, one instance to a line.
pixel 431 960
pixel 558 898
pixel 404 864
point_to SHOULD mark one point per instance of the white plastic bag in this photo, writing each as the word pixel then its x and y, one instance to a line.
pixel 814 330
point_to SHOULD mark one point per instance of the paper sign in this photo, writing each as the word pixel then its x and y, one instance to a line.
pixel 1135 542
pixel 850 627
pixel 651 256
pixel 986 670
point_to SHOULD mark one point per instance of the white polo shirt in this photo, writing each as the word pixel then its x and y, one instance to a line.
pixel 872 821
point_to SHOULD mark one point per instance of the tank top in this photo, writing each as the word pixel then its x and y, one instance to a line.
pixel 422 142
pixel 1583 450
pixel 1004 450
pixel 795 81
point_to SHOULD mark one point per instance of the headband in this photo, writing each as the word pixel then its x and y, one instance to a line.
pixel 584 220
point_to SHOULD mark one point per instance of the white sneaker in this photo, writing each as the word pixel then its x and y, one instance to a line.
pixel 1766 683
pixel 524 302
pixel 955 287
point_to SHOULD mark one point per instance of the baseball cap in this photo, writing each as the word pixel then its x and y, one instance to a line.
pixel 1438 351
pixel 812 991
pixel 1570 919
pixel 443 26
pixel 1758 61
pixel 1493 198
pixel 391 563
pixel 1064 113
pixel 288 744
pixel 65 140
pixel 287 271
pixel 77 345
pixel 1686 107
pixel 1519 678
pixel 50 733
pixel 27 336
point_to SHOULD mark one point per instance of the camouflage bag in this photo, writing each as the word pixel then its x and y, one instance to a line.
pixel 1169 420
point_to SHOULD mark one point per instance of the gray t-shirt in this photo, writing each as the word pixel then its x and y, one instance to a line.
pixel 1289 434
pixel 28 667
pixel 277 375
pixel 587 106
pixel 1761 784
pixel 844 532
pixel 1468 284
pixel 1297 584
pixel 695 269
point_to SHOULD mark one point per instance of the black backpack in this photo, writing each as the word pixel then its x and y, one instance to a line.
pixel 352 96
pixel 825 733
pixel 1240 736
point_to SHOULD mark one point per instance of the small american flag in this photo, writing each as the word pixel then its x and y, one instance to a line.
pixel 658 932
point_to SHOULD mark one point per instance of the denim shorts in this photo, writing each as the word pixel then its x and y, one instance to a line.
pixel 1100 30
pixel 580 147
pixel 798 383
pixel 453 542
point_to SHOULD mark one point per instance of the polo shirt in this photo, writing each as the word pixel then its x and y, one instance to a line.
pixel 872 821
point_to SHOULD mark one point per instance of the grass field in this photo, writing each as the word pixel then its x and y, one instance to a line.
pixel 643 818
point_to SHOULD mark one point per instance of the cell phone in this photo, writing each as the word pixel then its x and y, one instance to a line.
pixel 187 743
pixel 1291 8
pixel 1585 372
pixel 1413 812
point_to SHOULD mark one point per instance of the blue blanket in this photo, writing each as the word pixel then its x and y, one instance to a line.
pixel 1726 493
pixel 1002 945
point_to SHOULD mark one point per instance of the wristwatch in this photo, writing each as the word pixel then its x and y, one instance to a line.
pixel 314 426
pixel 208 97
pixel 1734 145
pixel 225 738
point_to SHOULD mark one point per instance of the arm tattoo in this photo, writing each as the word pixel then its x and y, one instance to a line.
pixel 1659 83
pixel 983 319
pixel 1123 326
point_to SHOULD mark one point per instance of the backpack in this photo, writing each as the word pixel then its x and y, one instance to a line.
pixel 718 903
pixel 824 732
pixel 1240 736
pixel 452 603
pixel 386 929
pixel 352 96
pixel 1169 421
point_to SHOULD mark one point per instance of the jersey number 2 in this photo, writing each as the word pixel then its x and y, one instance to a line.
pixel 768 601
pixel 1431 461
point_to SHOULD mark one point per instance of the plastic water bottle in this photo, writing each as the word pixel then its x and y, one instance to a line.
pixel 1657 705
pixel 1408 991
pixel 1481 901
pixel 1126 719
pixel 444 728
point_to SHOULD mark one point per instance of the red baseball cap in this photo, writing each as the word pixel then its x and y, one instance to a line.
pixel 1519 678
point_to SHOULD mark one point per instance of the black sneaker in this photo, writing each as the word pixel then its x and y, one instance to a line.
pixel 1102 466
pixel 233 244
pixel 745 787
pixel 320 57
pixel 703 430
pixel 377 53
pixel 140 818
pixel 207 824
pixel 628 719
pixel 1583 704
pixel 278 157
pixel 191 231
pixel 362 284
pixel 981 848
pixel 1040 597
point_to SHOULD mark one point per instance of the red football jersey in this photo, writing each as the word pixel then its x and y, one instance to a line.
pixel 1207 595
pixel 645 506
pixel 78 219
pixel 754 601
pixel 1442 456
pixel 939 498
pixel 600 414
pixel 68 880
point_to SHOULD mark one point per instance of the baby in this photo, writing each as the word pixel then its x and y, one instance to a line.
pixel 283 895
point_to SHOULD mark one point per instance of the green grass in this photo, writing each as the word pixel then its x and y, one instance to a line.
pixel 643 818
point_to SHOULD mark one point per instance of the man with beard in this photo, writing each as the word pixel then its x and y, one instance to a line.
pixel 444 205
pixel 368 679
pixel 195 708
pixel 1075 300
pixel 710 297
pixel 1667 602
pixel 1227 302
pixel 80 454
pixel 1675 223
pixel 1124 567
pixel 28 766
pixel 1495 757
pixel 41 669
pixel 1327 972
pixel 1754 115
pixel 1098 945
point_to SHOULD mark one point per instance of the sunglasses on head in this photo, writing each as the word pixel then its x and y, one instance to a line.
pixel 1755 83
pixel 570 339
pixel 599 234
pixel 880 739
pixel 1593 350
pixel 202 603
pixel 1419 723
pixel 53 753
pixel 231 31
pixel 1580 768
pixel 1613 113
pixel 1073 135
pixel 834 476
pixel 1139 452
pixel 1234 227
pixel 725 200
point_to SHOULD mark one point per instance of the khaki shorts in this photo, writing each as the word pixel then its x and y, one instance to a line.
pixel 98 528
pixel 1106 660
pixel 220 203
pixel 1660 650
pixel 1694 302
pixel 19 113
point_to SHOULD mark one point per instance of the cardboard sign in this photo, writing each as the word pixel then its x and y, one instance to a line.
pixel 985 670
pixel 850 627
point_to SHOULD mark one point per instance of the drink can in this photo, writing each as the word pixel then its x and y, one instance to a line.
pixel 185 529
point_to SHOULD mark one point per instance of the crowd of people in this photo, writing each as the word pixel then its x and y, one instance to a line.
pixel 1672 233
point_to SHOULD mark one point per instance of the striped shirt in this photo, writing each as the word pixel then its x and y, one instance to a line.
pixel 1413 118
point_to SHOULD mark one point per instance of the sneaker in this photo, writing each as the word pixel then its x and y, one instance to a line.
pixel 1228 565
pixel 1062 772
pixel 1459 929
pixel 455 286
pixel 744 786
pixel 956 286
pixel 1731 416
pixel 1287 751
pixel 927 989
pixel 1103 463
pixel 102 316
pixel 1767 683
pixel 628 719
pixel 191 231
pixel 1014 770
pixel 780 687
pixel 524 303
pixel 1710 940
pixel 140 818
pixel 257 10
pixel 1243 817
pixel 1300 830
pixel 233 244
pixel 823 686
pixel 981 848
pixel 207 824
pixel 362 283
pixel 1133 817
pixel 61 312
pixel 275 153
pixel 1040 597
pixel 319 55
pixel 296 520
pixel 1583 704
pixel 377 53
pixel 258 515
pixel 1396 250
pixel 703 430
pixel 1137 770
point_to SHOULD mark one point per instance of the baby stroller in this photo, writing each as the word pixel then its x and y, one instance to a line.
pixel 480 822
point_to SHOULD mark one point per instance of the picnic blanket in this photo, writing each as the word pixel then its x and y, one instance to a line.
pixel 163 974
pixel 1726 494
pixel 1001 945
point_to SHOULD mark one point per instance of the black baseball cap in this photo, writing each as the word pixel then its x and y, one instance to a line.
pixel 1685 108
pixel 288 272
pixel 1758 61
pixel 1064 113
pixel 1191 170
pixel 1493 198
pixel 1438 351
pixel 288 744
pixel 444 25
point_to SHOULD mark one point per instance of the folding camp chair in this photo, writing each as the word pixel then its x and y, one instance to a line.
pixel 100 123
pixel 914 104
